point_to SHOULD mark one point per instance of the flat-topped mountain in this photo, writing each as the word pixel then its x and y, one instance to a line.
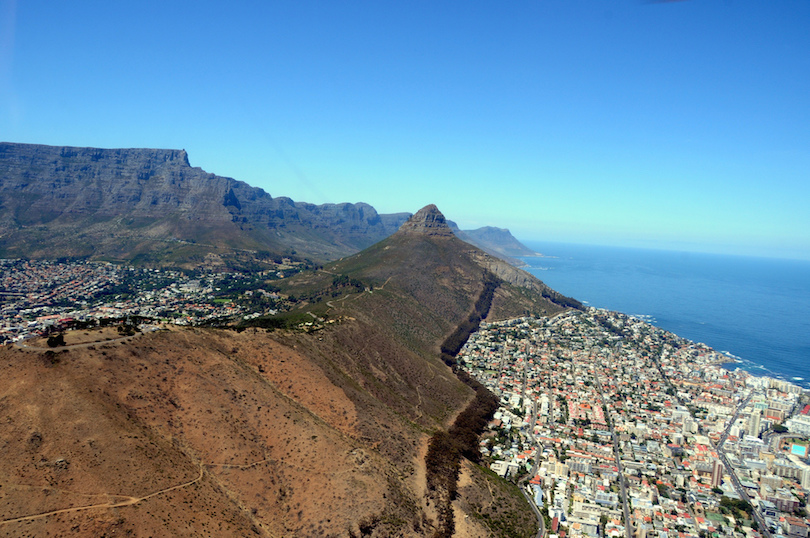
pixel 152 205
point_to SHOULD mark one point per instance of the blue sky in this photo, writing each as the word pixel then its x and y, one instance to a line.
pixel 682 125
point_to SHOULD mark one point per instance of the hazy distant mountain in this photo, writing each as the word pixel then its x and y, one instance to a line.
pixel 496 241
pixel 499 240
pixel 286 432
pixel 150 204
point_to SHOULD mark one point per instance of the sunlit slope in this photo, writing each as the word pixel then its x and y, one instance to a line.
pixel 195 433
pixel 310 430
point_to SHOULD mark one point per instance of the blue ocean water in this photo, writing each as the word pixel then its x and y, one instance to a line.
pixel 757 309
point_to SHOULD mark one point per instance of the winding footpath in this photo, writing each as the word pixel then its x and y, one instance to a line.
pixel 127 500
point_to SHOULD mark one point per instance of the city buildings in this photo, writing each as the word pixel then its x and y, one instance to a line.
pixel 641 433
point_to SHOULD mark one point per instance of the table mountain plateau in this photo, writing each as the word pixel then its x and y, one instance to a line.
pixel 318 429
pixel 150 206
pixel 150 203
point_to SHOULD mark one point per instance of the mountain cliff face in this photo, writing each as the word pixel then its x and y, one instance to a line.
pixel 151 206
pixel 125 203
pixel 499 240
pixel 428 221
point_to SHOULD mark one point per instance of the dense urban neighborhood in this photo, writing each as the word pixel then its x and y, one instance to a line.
pixel 39 297
pixel 619 428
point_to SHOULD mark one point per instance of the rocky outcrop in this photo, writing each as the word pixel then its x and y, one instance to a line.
pixel 427 221
pixel 509 273
pixel 522 279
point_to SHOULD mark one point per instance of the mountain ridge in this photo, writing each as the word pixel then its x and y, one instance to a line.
pixel 91 202
pixel 150 206
pixel 316 427
pixel 427 290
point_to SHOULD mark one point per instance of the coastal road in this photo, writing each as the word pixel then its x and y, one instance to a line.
pixel 542 530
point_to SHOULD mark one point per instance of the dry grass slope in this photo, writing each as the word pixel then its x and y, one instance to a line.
pixel 277 443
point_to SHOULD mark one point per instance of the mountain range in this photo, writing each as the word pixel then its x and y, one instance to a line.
pixel 150 206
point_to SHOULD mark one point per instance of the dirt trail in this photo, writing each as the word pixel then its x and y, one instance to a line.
pixel 128 500
pixel 85 345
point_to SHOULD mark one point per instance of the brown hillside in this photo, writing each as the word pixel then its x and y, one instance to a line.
pixel 424 261
pixel 255 435
pixel 218 432
pixel 421 284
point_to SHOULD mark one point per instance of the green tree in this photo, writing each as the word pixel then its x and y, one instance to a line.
pixel 56 340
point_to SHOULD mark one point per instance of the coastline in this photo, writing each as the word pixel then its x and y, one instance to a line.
pixel 733 363
pixel 704 298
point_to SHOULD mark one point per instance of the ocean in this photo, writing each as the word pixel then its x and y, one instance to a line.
pixel 756 310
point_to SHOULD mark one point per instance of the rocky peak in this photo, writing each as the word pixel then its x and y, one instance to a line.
pixel 428 221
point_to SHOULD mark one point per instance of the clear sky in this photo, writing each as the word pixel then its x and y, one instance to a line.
pixel 681 125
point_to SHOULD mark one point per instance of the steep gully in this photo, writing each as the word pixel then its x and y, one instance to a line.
pixel 446 448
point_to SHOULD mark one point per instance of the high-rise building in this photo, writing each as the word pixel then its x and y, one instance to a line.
pixel 805 477
pixel 717 474
pixel 754 423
